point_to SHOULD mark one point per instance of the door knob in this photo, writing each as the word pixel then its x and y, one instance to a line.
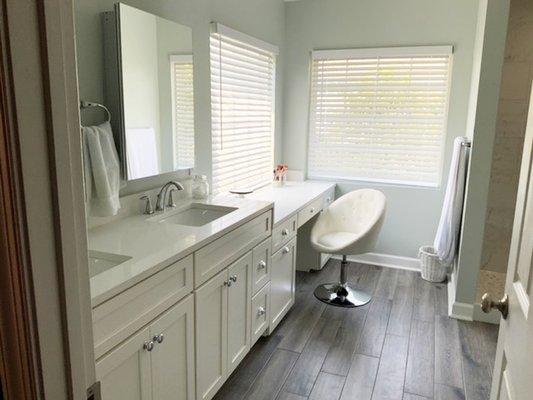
pixel 487 304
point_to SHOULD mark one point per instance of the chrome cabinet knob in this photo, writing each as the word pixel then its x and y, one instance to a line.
pixel 159 338
pixel 261 311
pixel 285 250
pixel 233 278
pixel 262 264
pixel 148 346
pixel 312 210
pixel 227 283
pixel 488 304
pixel 284 232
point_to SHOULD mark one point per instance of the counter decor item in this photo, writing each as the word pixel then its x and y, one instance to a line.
pixel 280 174
pixel 200 187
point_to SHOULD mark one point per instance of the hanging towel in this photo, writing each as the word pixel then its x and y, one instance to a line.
pixel 141 149
pixel 102 170
pixel 450 220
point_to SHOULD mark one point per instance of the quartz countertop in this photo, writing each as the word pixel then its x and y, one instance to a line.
pixel 291 197
pixel 153 245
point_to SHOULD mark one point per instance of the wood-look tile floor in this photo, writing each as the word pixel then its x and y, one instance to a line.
pixel 401 346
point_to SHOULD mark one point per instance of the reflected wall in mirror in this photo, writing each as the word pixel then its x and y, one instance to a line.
pixel 154 64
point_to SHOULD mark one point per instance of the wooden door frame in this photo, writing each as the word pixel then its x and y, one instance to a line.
pixel 50 234
pixel 19 352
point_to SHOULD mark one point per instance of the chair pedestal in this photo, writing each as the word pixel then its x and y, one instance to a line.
pixel 341 294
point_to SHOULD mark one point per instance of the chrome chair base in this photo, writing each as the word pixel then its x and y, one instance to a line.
pixel 341 295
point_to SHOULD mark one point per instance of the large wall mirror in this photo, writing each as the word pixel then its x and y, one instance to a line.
pixel 147 81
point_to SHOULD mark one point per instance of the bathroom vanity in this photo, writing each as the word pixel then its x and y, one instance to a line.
pixel 178 305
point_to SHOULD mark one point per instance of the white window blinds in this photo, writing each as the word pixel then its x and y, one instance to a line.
pixel 379 114
pixel 181 71
pixel 242 110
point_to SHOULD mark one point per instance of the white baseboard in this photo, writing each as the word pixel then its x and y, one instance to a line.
pixel 493 317
pixel 385 260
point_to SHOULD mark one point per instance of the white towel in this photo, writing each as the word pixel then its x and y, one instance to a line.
pixel 102 170
pixel 141 150
pixel 450 220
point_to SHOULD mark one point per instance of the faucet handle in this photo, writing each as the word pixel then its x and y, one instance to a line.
pixel 171 198
pixel 148 209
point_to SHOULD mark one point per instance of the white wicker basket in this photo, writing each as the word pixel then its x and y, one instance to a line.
pixel 431 267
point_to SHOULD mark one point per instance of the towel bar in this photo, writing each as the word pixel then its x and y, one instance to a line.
pixel 87 104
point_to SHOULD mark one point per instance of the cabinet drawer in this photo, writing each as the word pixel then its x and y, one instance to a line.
pixel 261 265
pixel 260 312
pixel 310 211
pixel 328 198
pixel 283 233
pixel 217 255
pixel 124 314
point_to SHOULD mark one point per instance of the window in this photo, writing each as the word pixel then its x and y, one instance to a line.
pixel 181 74
pixel 242 109
pixel 379 114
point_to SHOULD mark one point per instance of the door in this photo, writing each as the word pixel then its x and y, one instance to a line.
pixel 211 335
pixel 513 371
pixel 173 353
pixel 282 282
pixel 239 310
pixel 124 373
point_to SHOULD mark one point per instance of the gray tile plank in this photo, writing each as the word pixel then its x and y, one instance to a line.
pixel 410 396
pixel 375 327
pixel 391 372
pixel 339 357
pixel 364 277
pixel 386 283
pixel 361 377
pixel 448 353
pixel 477 341
pixel 441 307
pixel 425 299
pixel 421 359
pixel 309 364
pixel 243 377
pixel 270 380
pixel 327 387
pixel 402 305
pixel 445 392
pixel 290 396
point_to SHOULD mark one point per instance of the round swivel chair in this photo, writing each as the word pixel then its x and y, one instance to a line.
pixel 350 226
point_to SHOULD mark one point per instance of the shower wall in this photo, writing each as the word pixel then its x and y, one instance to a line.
pixel 512 115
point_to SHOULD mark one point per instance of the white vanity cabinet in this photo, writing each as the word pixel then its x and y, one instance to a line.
pixel 223 325
pixel 156 363
pixel 282 282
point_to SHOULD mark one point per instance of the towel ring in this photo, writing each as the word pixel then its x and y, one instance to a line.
pixel 87 104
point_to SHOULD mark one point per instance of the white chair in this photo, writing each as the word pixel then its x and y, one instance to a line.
pixel 349 226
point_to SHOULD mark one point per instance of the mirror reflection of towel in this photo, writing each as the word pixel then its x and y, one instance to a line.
pixel 141 149
pixel 102 170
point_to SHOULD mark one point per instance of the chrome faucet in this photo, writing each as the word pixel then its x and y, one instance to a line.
pixel 161 197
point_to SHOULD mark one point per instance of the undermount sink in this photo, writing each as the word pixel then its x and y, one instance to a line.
pixel 100 261
pixel 197 214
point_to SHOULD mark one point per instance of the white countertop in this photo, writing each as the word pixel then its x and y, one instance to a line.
pixel 291 197
pixel 154 245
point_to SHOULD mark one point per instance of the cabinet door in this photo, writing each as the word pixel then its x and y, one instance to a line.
pixel 282 281
pixel 173 353
pixel 125 373
pixel 211 335
pixel 239 310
